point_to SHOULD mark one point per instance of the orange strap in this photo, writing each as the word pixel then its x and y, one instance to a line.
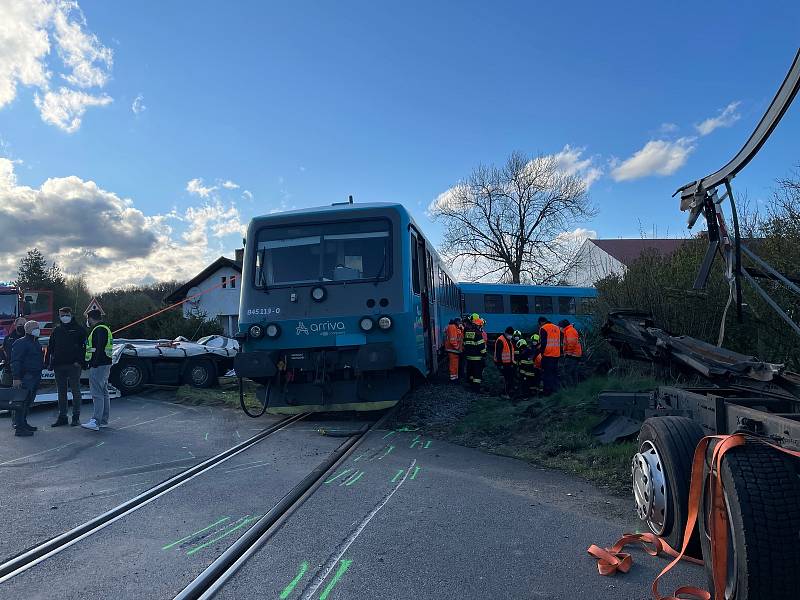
pixel 610 560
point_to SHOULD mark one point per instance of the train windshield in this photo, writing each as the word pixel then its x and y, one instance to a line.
pixel 331 252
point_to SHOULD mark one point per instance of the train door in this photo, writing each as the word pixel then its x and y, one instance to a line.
pixel 423 277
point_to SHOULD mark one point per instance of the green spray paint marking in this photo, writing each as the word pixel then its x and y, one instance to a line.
pixel 385 454
pixel 427 444
pixel 332 479
pixel 397 475
pixel 206 438
pixel 287 591
pixel 388 434
pixel 188 537
pixel 414 474
pixel 343 566
pixel 219 537
pixel 100 444
pixel 405 428
pixel 414 442
pixel 352 480
pixel 359 457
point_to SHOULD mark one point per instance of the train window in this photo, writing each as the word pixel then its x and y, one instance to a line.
pixel 519 305
pixel 329 252
pixel 587 306
pixel 543 305
pixel 414 264
pixel 566 305
pixel 493 303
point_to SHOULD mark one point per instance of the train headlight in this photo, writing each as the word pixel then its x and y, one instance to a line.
pixel 318 293
pixel 273 330
pixel 384 322
pixel 366 324
pixel 256 331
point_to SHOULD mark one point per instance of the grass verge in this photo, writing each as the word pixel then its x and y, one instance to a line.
pixel 225 394
pixel 554 432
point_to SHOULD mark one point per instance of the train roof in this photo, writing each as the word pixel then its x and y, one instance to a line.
pixel 339 207
pixel 525 289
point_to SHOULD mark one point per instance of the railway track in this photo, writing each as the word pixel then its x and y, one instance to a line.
pixel 44 550
pixel 210 580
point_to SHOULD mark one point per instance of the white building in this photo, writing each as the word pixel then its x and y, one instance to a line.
pixel 214 293
pixel 599 258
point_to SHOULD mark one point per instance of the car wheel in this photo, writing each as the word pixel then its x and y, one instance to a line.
pixel 200 373
pixel 130 376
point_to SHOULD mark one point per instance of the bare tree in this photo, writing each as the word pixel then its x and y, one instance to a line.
pixel 513 222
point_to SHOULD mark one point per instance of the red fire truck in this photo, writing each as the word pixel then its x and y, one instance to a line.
pixel 36 305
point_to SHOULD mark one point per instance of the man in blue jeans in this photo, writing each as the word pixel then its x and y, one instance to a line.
pixel 99 350
pixel 27 361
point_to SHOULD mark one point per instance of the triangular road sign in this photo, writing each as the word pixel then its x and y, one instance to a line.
pixel 94 305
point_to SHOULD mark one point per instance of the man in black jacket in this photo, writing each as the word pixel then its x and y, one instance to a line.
pixel 27 361
pixel 65 357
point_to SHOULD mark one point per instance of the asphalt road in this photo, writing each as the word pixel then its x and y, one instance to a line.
pixel 406 517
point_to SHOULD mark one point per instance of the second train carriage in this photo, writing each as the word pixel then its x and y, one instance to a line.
pixel 341 307
pixel 520 306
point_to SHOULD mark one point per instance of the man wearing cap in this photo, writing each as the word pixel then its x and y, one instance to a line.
pixel 99 350
pixel 65 352
pixel 26 368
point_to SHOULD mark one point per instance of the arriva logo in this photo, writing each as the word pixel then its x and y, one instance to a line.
pixel 323 328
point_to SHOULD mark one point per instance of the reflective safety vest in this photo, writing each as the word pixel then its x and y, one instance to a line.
pixel 553 347
pixel 526 366
pixel 109 343
pixel 474 344
pixel 572 342
pixel 503 351
pixel 454 339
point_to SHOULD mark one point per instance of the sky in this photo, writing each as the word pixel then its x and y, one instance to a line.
pixel 137 139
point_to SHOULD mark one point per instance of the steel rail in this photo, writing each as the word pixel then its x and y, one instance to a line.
pixel 44 550
pixel 214 577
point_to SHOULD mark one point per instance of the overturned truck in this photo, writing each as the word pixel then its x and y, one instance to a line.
pixel 748 510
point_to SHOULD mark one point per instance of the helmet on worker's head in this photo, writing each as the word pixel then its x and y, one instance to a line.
pixel 535 338
pixel 521 343
pixel 475 317
pixel 517 334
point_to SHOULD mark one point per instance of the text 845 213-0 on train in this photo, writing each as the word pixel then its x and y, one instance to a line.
pixel 341 307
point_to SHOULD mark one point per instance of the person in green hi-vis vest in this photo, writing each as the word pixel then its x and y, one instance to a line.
pixel 99 349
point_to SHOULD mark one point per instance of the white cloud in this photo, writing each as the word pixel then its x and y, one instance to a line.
pixel 247 195
pixel 230 185
pixel 138 106
pixel 570 162
pixel 726 117
pixel 578 235
pixel 66 107
pixel 29 31
pixel 657 157
pixel 195 186
pixel 94 232
pixel 668 128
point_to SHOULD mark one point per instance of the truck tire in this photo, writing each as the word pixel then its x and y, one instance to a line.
pixel 200 373
pixel 762 493
pixel 661 472
pixel 129 376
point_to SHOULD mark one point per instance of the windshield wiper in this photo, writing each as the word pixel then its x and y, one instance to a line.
pixel 262 281
pixel 377 277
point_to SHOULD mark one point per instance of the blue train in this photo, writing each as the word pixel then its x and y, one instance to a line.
pixel 520 306
pixel 341 307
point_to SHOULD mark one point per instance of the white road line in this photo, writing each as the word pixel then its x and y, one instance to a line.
pixel 144 422
pixel 246 468
pixel 8 462
pixel 330 565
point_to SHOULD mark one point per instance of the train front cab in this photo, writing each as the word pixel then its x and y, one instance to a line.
pixel 329 320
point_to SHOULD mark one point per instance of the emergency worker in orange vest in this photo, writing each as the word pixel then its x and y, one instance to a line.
pixel 550 348
pixel 474 351
pixel 573 351
pixel 454 346
pixel 505 360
